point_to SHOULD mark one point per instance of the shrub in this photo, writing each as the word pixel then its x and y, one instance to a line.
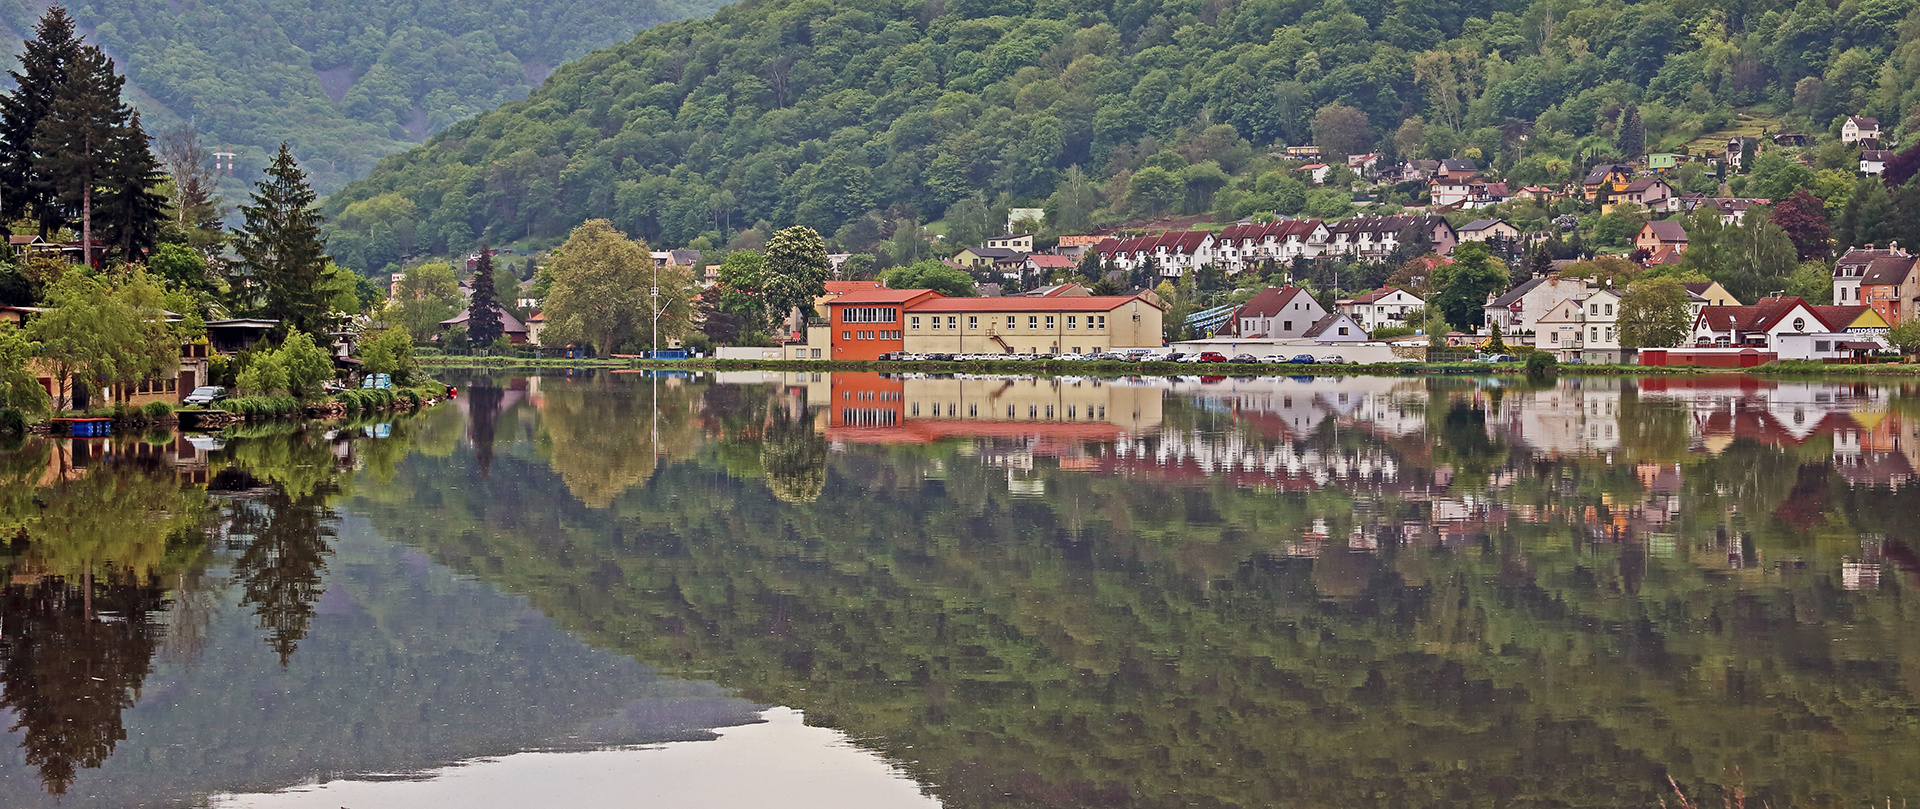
pixel 157 411
pixel 12 421
pixel 1541 363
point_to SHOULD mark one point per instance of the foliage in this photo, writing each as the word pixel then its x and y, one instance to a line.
pixel 1751 258
pixel 802 112
pixel 157 411
pixel 1462 285
pixel 1654 314
pixel 483 308
pixel 281 248
pixel 934 275
pixel 1803 217
pixel 1905 337
pixel 389 352
pixel 1541 363
pixel 794 271
pixel 599 295
pixel 740 297
pixel 93 331
pixel 19 390
pixel 425 295
pixel 1811 281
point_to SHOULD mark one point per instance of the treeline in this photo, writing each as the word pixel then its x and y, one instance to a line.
pixel 828 114
pixel 345 81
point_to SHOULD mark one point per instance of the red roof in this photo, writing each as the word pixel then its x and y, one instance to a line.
pixel 1049 261
pixel 1763 315
pixel 1377 295
pixel 1268 302
pixel 1088 303
pixel 844 287
pixel 881 295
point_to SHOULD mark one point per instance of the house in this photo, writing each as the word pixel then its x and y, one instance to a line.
pixel 1604 179
pixel 1759 325
pixel 1732 210
pixel 1042 264
pixel 1277 313
pixel 535 324
pixel 1070 322
pixel 1853 266
pixel 1651 193
pixel 1376 236
pixel 1017 242
pixel 1859 321
pixel 1794 139
pixel 1560 330
pixel 1701 294
pixel 1890 286
pixel 1336 327
pixel 1516 310
pixel 1488 230
pixel 1662 161
pixel 1737 150
pixel 1317 172
pixel 1365 165
pixel 1873 162
pixel 980 258
pixel 238 334
pixel 1307 152
pixel 510 326
pixel 1074 247
pixel 1859 128
pixel 1656 236
pixel 1387 307
pixel 1601 311
pixel 1457 169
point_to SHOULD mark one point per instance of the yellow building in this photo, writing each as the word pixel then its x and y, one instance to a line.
pixel 1021 325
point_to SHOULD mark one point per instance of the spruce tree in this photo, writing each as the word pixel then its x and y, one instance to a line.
pixel 43 71
pixel 483 309
pixel 132 212
pixel 76 142
pixel 1633 134
pixel 281 248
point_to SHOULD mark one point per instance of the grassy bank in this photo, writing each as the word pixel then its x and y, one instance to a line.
pixel 1081 368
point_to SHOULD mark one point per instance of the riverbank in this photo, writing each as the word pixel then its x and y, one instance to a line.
pixel 1060 367
pixel 241 410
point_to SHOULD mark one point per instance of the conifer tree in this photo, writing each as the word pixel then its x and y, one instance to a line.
pixel 76 142
pixel 483 309
pixel 43 71
pixel 1633 134
pixel 132 211
pixel 281 247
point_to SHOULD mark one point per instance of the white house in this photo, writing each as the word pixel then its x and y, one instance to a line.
pixel 1759 325
pixel 1873 162
pixel 1858 128
pixel 1602 338
pixel 1317 171
pixel 1516 310
pixel 1560 330
pixel 1381 308
pixel 1336 328
pixel 1278 313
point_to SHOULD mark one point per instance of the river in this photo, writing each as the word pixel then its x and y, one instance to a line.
pixel 864 590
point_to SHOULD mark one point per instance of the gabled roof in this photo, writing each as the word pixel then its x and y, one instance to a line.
pixel 1377 294
pixel 1478 225
pixel 1459 164
pixel 1081 241
pixel 508 323
pixel 1861 256
pixel 1877 155
pixel 1668 231
pixel 1601 172
pixel 1642 184
pixel 1887 270
pixel 1270 301
pixel 1567 311
pixel 1517 292
pixel 1839 318
pixel 1863 122
pixel 1698 287
pixel 1049 261
pixel 995 252
pixel 1761 316
pixel 1321 326
pixel 873 296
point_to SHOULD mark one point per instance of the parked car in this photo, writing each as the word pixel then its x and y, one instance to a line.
pixel 1302 359
pixel 1212 356
pixel 204 395
pixel 1334 359
pixel 1171 356
pixel 1070 357
pixel 1244 358
pixel 376 381
pixel 1274 359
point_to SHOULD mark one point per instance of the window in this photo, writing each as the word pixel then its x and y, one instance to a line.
pixel 936 324
pixel 1103 321
pixel 914 323
pixel 1594 309
pixel 1596 333
pixel 816 353
pixel 973 411
pixel 1049 322
pixel 1822 346
pixel 973 322
pixel 953 322
pixel 1799 324
pixel 1553 337
pixel 1609 309
pixel 1033 321
pixel 1073 321
pixel 1343 331
pixel 1286 325
pixel 1076 349
pixel 846 335
pixel 1010 319
pixel 869 314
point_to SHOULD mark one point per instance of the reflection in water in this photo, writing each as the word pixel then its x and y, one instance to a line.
pixel 1026 592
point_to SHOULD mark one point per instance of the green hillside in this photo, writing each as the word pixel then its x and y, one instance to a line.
pixel 818 112
pixel 347 81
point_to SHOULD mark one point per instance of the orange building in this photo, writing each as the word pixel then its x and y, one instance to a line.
pixel 866 324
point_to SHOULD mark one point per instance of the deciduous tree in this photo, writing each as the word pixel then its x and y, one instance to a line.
pixel 795 271
pixel 1461 287
pixel 1804 219
pixel 1653 314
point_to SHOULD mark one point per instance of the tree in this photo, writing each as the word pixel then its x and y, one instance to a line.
pixel 1868 217
pixel 1070 208
pixel 1154 190
pixel 483 309
pixel 425 295
pixel 795 271
pixel 94 332
pixel 1804 219
pixel 390 352
pixel 1906 338
pixel 1812 281
pixel 42 75
pixel 1653 314
pixel 600 289
pixel 1342 130
pixel 1633 135
pixel 741 296
pixel 197 209
pixel 18 388
pixel 948 281
pixel 1461 287
pixel 132 212
pixel 81 138
pixel 281 246
pixel 1750 258
pixel 969 223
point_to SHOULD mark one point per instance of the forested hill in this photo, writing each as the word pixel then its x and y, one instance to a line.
pixel 346 81
pixel 817 111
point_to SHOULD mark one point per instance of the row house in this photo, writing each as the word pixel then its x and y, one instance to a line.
pixel 1243 246
pixel 1732 210
pixel 1373 237
pixel 1382 308
pixel 1853 267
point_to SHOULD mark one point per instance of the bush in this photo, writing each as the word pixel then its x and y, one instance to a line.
pixel 12 421
pixel 1541 363
pixel 157 411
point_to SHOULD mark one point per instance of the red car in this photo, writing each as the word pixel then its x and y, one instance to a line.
pixel 1212 356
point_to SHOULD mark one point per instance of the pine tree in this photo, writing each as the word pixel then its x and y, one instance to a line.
pixel 77 141
pixel 132 212
pixel 281 247
pixel 1633 135
pixel 43 71
pixel 483 309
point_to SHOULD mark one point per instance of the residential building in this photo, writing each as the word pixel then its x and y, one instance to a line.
pixel 1516 311
pixel 1376 236
pixel 1890 286
pixel 1859 128
pixel 1759 325
pixel 1873 162
pixel 1277 313
pixel 1561 330
pixel 1066 323
pixel 1381 308
pixel 980 258
pixel 1336 327
pixel 1659 238
pixel 1074 247
pixel 1702 294
pixel 1662 161
pixel 1736 153
pixel 1457 168
pixel 1853 265
pixel 1604 179
pixel 1017 242
pixel 1488 230
pixel 536 323
pixel 865 324
pixel 1317 172
pixel 510 326
pixel 1651 193
pixel 1601 342
pixel 1733 210
pixel 1042 264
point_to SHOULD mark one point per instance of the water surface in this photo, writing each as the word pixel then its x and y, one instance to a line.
pixel 992 591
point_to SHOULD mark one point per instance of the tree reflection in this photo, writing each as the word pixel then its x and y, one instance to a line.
pixel 599 434
pixel 279 572
pixel 794 456
pixel 75 654
pixel 483 412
